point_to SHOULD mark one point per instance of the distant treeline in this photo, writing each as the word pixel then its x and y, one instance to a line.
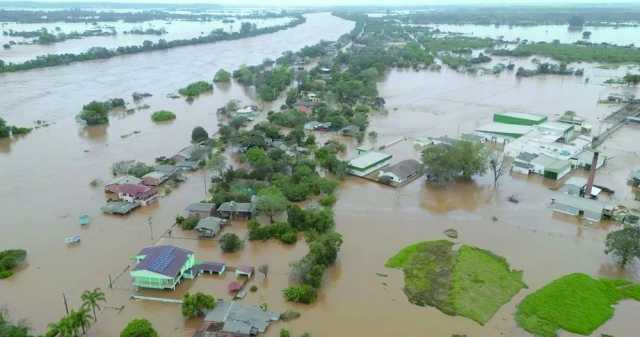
pixel 95 53
pixel 529 15
pixel 78 15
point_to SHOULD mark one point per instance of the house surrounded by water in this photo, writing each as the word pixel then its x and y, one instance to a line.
pixel 162 267
pixel 368 162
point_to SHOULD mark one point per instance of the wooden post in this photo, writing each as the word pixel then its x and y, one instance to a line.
pixel 110 282
pixel 66 305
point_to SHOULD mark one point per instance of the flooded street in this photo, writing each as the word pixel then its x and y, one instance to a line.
pixel 45 179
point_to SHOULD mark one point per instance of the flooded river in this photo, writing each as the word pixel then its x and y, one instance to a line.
pixel 45 187
pixel 175 30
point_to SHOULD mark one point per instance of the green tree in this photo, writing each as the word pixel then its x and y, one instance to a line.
pixel 139 328
pixel 230 242
pixel 624 244
pixel 222 76
pixel 271 201
pixel 91 300
pixel 197 304
pixel 217 163
pixel 199 134
pixel 459 161
pixel 301 294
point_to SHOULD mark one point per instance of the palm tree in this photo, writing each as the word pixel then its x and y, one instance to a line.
pixel 90 299
pixel 81 318
pixel 54 330
pixel 67 327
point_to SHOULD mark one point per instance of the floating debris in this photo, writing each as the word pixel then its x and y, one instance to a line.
pixel 451 233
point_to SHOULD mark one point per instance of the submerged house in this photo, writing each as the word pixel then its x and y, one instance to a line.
pixel 162 267
pixel 210 226
pixel 113 185
pixel 401 173
pixel 141 194
pixel 234 319
pixel 201 209
pixel 154 178
pixel 368 162
pixel 232 209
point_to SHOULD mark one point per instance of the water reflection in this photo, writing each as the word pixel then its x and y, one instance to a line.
pixel 466 196
pixel 96 134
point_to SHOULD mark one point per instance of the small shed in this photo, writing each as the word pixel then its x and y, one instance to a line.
pixel 209 267
pixel 245 271
pixel 209 227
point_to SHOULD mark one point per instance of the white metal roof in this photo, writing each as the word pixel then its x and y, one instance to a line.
pixel 368 158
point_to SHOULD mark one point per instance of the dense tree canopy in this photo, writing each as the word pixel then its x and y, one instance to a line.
pixel 459 161
pixel 624 244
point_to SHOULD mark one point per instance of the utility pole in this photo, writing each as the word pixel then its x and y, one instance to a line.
pixel 150 228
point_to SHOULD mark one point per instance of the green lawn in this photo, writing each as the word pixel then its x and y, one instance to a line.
pixel 469 282
pixel 576 303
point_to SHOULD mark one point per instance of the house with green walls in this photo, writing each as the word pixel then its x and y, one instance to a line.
pixel 162 267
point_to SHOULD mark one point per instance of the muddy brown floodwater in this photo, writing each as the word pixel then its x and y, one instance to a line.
pixel 45 186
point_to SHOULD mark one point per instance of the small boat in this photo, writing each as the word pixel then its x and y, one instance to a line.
pixel 70 240
pixel 84 220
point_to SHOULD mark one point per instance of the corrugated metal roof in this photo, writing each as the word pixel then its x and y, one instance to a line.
pixel 502 128
pixel 368 159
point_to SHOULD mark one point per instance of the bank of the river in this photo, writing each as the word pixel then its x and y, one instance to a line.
pixel 48 175
pixel 174 30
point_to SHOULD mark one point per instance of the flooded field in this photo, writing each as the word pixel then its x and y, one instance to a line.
pixel 45 187
pixel 175 30
pixel 548 33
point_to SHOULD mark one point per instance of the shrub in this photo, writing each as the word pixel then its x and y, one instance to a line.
pixel 253 288
pixel 284 333
pixel 300 294
pixel 195 89
pixel 197 304
pixel 139 328
pixel 230 242
pixel 188 223
pixel 163 116
pixel 328 200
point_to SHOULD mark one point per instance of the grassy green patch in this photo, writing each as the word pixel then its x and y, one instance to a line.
pixel 470 282
pixel 576 303
pixel 482 283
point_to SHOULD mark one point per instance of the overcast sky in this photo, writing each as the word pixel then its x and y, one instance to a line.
pixel 386 3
